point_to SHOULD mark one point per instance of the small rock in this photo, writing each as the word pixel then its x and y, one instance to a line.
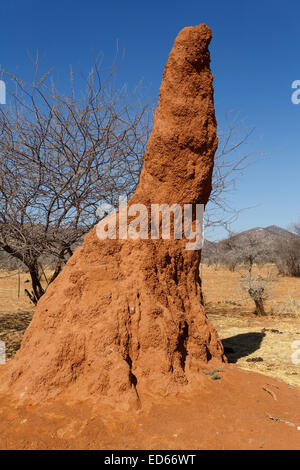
pixel 215 377
pixel 254 359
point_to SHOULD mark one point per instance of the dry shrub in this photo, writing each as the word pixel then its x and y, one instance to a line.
pixel 290 306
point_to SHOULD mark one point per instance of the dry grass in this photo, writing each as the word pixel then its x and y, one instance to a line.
pixel 16 309
pixel 10 301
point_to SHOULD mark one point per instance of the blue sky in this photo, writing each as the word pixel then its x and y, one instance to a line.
pixel 255 56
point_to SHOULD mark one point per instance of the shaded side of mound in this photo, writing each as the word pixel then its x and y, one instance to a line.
pixel 125 317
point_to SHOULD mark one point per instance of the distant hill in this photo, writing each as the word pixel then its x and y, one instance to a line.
pixel 267 235
pixel 272 232
pixel 268 239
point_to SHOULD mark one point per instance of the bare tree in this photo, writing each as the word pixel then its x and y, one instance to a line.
pixel 60 157
pixel 287 254
pixel 258 289
pixel 245 248
pixel 296 228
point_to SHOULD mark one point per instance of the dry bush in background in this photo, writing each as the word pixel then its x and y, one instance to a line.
pixel 258 289
pixel 290 306
pixel 287 257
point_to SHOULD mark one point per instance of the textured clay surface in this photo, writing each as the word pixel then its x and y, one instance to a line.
pixel 125 318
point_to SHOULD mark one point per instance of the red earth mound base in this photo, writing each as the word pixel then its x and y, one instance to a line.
pixel 242 410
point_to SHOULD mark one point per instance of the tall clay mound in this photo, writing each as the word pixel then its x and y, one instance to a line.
pixel 124 319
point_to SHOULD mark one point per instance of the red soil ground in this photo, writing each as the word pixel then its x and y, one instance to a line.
pixel 241 410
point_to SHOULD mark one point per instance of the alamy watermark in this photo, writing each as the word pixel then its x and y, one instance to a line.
pixel 295 357
pixel 2 92
pixel 296 94
pixel 2 352
pixel 160 221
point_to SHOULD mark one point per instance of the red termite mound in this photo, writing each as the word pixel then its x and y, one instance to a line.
pixel 124 319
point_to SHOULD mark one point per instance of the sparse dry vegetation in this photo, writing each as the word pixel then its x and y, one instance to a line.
pixel 263 344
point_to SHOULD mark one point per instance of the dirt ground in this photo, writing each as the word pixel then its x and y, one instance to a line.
pixel 16 309
pixel 241 410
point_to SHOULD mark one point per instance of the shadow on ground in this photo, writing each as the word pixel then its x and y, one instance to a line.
pixel 242 345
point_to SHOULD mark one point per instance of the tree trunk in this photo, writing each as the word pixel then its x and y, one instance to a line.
pixel 37 288
pixel 257 297
pixel 260 309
